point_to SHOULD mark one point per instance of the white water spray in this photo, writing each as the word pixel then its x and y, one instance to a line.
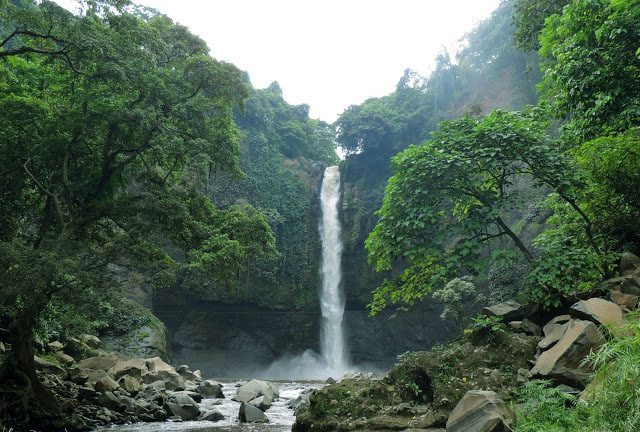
pixel 331 298
pixel 333 360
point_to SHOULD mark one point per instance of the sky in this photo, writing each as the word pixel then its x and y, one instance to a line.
pixel 329 54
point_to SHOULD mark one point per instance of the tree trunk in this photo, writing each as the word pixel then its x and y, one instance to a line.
pixel 42 404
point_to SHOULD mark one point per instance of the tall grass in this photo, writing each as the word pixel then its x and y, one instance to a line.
pixel 610 403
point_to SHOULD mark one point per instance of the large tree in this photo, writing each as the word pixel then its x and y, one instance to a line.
pixel 110 122
pixel 452 195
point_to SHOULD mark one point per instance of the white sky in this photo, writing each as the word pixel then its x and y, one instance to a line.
pixel 328 54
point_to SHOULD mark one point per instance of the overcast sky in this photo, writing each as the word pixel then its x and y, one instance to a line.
pixel 328 54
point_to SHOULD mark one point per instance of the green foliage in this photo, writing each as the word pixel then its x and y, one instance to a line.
pixel 448 198
pixel 459 298
pixel 545 408
pixel 110 123
pixel 529 17
pixel 591 68
pixel 611 402
pixel 487 323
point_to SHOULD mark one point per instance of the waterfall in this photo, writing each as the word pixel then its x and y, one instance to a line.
pixel 333 360
pixel 331 298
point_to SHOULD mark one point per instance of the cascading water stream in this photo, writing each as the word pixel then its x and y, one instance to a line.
pixel 331 298
pixel 333 360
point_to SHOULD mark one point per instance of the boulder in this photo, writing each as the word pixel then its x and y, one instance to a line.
pixel 598 310
pixel 183 406
pixel 562 362
pixel 526 326
pixel 111 401
pixel 553 336
pixel 55 346
pixel 90 340
pixel 193 395
pixel 303 400
pixel 158 370
pixel 48 367
pixel 130 384
pixel 630 285
pixel 105 384
pixel 628 301
pixel 212 416
pixel 250 414
pixel 256 388
pixel 629 263
pixel 480 411
pixel 507 311
pixel 103 363
pixel 134 368
pixel 554 323
pixel 330 380
pixel 65 359
pixel 262 403
pixel 211 389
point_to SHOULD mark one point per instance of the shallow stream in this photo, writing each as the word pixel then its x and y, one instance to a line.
pixel 281 418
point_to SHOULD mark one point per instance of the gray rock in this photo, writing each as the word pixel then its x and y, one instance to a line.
pixel 212 416
pixel 211 389
pixel 134 368
pixel 48 367
pixel 193 395
pixel 105 384
pixel 145 341
pixel 554 335
pixel 254 389
pixel 55 346
pixel 251 414
pixel 102 363
pixel 628 301
pixel 630 285
pixel 563 361
pixel 111 401
pixel 90 340
pixel 130 384
pixel 65 359
pixel 629 263
pixel 598 310
pixel 183 406
pixel 507 311
pixel 262 403
pixel 330 380
pixel 480 411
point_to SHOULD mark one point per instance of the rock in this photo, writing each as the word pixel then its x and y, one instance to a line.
pixel 48 367
pixel 254 389
pixel 211 389
pixel 630 285
pixel 598 310
pixel 251 414
pixel 562 362
pixel 554 336
pixel 55 346
pixel 198 375
pixel 212 416
pixel 134 368
pixel 568 390
pixel 190 386
pixel 90 340
pixel 130 384
pixel 103 363
pixel 526 326
pixel 349 375
pixel 161 371
pixel 111 401
pixel 628 301
pixel 149 340
pixel 263 403
pixel 507 311
pixel 105 384
pixel 330 381
pixel 303 400
pixel 480 411
pixel 183 406
pixel 65 359
pixel 629 263
pixel 193 395
pixel 87 393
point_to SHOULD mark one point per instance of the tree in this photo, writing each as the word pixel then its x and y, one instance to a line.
pixel 591 66
pixel 109 124
pixel 529 17
pixel 449 197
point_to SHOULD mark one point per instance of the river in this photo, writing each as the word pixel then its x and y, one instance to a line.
pixel 281 417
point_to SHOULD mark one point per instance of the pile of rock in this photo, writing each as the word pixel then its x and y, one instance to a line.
pixel 255 397
pixel 109 389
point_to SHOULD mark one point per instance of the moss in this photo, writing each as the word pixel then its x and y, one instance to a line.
pixel 421 390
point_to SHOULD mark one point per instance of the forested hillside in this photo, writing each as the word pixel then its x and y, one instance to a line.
pixel 490 72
